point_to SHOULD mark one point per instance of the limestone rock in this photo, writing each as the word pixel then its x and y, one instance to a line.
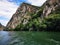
pixel 22 15
pixel 50 6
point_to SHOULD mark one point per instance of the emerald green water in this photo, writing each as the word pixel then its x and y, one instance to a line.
pixel 29 38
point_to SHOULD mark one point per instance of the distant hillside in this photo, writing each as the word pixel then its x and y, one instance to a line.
pixel 1 27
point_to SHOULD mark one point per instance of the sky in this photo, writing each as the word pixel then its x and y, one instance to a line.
pixel 9 7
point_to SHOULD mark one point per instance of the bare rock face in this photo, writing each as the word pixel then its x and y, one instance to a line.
pixel 22 15
pixel 50 6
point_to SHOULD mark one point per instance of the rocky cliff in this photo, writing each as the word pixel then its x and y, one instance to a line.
pixel 22 15
pixel 50 6
pixel 1 27
pixel 29 17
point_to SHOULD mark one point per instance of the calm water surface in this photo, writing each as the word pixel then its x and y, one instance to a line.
pixel 29 38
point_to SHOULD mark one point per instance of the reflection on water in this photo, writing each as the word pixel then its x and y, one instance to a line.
pixel 29 38
pixel 4 37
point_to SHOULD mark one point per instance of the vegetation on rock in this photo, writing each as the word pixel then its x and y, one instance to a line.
pixel 50 23
pixel 31 18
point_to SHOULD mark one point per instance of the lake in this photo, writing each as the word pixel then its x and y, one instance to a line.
pixel 29 38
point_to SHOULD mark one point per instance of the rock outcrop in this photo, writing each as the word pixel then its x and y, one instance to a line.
pixel 22 15
pixel 50 6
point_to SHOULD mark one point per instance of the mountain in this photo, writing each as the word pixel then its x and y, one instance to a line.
pixel 22 15
pixel 32 18
pixel 1 27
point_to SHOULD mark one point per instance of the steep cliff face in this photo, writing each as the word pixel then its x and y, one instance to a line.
pixel 50 6
pixel 22 15
pixel 51 10
pixel 29 17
